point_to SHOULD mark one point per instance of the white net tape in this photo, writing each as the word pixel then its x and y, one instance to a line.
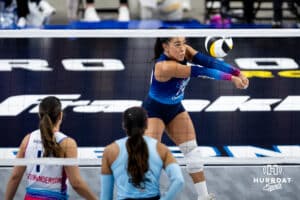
pixel 181 161
pixel 148 33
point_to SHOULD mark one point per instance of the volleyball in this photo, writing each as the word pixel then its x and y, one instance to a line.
pixel 218 46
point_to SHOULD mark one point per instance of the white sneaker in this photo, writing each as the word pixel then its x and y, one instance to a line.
pixel 46 8
pixel 210 196
pixel 35 17
pixel 123 14
pixel 186 5
pixel 90 15
pixel 21 22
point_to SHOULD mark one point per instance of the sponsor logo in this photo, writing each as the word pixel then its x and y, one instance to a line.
pixel 15 105
pixel 268 67
pixel 273 178
pixel 68 64
pixel 251 67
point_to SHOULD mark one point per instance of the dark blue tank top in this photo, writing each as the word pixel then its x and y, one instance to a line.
pixel 171 91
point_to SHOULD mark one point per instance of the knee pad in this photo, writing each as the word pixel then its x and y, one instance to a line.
pixel 192 154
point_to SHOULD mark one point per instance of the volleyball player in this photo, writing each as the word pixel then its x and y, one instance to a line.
pixel 48 181
pixel 170 76
pixel 134 163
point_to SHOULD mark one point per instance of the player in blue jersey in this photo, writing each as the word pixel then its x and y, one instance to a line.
pixel 170 76
pixel 134 163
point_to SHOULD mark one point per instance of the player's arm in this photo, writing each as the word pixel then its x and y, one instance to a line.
pixel 17 172
pixel 210 62
pixel 173 171
pixel 107 179
pixel 69 146
pixel 190 52
pixel 195 57
pixel 166 70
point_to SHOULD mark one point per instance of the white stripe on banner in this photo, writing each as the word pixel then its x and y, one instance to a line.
pixel 240 155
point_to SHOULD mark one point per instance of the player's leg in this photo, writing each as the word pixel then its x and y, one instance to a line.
pixel 155 128
pixel 181 131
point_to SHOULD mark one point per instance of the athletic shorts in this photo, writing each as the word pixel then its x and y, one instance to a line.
pixel 165 112
pixel 31 195
pixel 35 197
pixel 150 198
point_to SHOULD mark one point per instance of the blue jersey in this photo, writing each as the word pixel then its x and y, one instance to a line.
pixel 171 91
pixel 125 189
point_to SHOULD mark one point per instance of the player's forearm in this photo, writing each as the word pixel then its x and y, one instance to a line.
pixel 203 72
pixel 214 63
pixel 176 181
pixel 11 189
pixel 83 190
pixel 107 186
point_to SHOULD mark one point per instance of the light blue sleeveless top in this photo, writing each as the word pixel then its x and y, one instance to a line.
pixel 152 177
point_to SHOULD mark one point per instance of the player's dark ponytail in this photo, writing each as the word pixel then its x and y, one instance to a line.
pixel 158 47
pixel 49 112
pixel 135 123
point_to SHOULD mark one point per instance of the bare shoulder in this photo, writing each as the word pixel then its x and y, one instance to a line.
pixel 68 142
pixel 163 70
pixel 25 140
pixel 159 67
pixel 69 147
pixel 164 65
pixel 111 153
pixel 111 150
pixel 23 145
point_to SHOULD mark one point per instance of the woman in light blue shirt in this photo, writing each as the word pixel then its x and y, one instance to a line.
pixel 134 163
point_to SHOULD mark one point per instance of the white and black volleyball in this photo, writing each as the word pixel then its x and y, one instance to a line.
pixel 218 46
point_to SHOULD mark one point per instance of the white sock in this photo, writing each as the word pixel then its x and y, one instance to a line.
pixel 201 189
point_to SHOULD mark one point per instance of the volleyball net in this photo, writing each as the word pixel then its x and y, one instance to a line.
pixel 249 136
pixel 97 74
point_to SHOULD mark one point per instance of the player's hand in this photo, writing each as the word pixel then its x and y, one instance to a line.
pixel 244 79
pixel 237 81
pixel 189 52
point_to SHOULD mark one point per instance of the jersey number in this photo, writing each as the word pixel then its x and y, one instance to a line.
pixel 39 154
